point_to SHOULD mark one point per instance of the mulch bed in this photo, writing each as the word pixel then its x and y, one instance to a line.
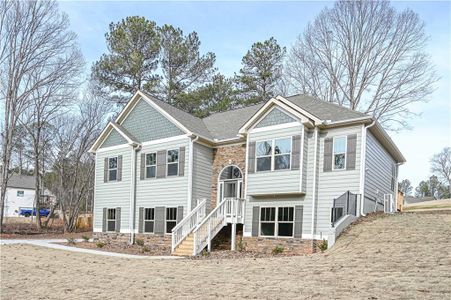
pixel 124 248
pixel 28 230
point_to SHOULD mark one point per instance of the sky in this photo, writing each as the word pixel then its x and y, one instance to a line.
pixel 228 29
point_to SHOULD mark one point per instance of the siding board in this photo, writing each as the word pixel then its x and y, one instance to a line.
pixel 202 173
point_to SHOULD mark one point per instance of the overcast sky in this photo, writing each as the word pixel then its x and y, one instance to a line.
pixel 229 29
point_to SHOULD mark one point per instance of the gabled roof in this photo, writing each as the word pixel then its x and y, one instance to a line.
pixel 22 181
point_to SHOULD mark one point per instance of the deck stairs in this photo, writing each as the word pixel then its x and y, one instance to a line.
pixel 196 231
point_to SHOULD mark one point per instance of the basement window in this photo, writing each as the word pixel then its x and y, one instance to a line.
pixel 171 218
pixel 149 220
pixel 277 221
pixel 111 219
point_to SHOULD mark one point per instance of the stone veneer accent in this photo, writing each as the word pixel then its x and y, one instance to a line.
pixel 290 245
pixel 224 156
pixel 124 238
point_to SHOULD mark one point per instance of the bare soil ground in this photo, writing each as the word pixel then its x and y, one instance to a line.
pixel 404 256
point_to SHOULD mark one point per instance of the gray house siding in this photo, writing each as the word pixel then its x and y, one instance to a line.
pixel 333 184
pixel 378 174
pixel 202 173
pixel 275 117
pixel 270 182
pixel 171 191
pixel 113 139
pixel 112 194
pixel 147 124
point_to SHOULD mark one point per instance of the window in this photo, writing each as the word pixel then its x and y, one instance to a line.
pixel 20 193
pixel 268 221
pixel 111 219
pixel 277 221
pixel 112 168
pixel 171 218
pixel 282 154
pixel 173 162
pixel 273 154
pixel 264 155
pixel 339 153
pixel 149 219
pixel 151 165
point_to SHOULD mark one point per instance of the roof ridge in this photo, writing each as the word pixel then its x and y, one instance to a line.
pixel 229 110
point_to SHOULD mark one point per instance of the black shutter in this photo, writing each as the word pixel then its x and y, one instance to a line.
pixel 105 170
pixel 159 220
pixel 251 158
pixel 161 164
pixel 298 215
pixel 179 213
pixel 141 220
pixel 119 168
pixel 296 152
pixel 255 220
pixel 118 219
pixel 327 162
pixel 142 168
pixel 104 225
pixel 182 161
pixel 351 152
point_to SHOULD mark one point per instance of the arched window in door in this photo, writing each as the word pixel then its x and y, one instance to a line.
pixel 230 183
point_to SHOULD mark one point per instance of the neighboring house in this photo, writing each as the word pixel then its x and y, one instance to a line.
pixel 304 168
pixel 20 193
pixel 413 200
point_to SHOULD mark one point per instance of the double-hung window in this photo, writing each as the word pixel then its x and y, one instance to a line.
pixel 273 154
pixel 20 193
pixel 149 220
pixel 151 165
pixel 339 153
pixel 171 218
pixel 112 168
pixel 173 162
pixel 277 221
pixel 111 219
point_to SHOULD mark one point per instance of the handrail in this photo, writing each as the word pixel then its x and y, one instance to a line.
pixel 186 225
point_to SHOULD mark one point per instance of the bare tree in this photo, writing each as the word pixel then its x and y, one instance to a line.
pixel 366 56
pixel 39 59
pixel 73 165
pixel 441 166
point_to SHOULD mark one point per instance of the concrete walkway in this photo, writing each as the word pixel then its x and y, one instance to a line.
pixel 52 243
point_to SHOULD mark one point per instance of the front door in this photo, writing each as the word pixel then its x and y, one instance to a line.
pixel 230 189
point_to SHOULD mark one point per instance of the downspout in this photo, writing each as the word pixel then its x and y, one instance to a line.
pixel 132 221
pixel 190 173
pixel 315 166
pixel 363 166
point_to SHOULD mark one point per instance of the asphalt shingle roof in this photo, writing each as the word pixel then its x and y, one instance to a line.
pixel 22 181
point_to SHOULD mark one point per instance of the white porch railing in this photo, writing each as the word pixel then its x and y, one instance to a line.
pixel 186 226
pixel 230 210
pixel 389 204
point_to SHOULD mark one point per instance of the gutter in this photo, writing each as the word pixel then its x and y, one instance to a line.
pixel 132 223
pixel 315 166
pixel 363 166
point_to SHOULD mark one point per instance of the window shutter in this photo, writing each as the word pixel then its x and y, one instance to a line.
pixel 159 220
pixel 296 152
pixel 142 167
pixel 350 152
pixel 119 168
pixel 105 211
pixel 255 220
pixel 161 164
pixel 251 158
pixel 141 220
pixel 298 215
pixel 105 170
pixel 182 161
pixel 179 213
pixel 118 219
pixel 327 163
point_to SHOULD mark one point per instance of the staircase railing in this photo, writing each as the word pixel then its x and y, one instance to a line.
pixel 344 205
pixel 187 224
pixel 230 209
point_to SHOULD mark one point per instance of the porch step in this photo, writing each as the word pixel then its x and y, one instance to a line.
pixel 186 247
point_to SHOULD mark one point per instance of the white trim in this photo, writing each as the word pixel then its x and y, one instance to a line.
pixel 348 121
pixel 190 173
pixel 96 229
pixel 345 152
pixel 245 182
pixel 275 127
pixel 112 148
pixel 362 167
pixel 221 182
pixel 302 158
pixel 131 220
pixel 165 140
pixel 265 114
pixel 315 165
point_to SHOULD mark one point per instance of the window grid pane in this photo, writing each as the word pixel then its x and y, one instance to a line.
pixel 151 159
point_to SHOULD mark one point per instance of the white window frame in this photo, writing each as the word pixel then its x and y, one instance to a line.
pixel 22 193
pixel 172 163
pixel 273 153
pixel 113 169
pixel 108 220
pixel 171 220
pixel 345 152
pixel 154 165
pixel 148 221
pixel 276 221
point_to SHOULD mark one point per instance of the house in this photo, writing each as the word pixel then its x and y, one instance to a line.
pixel 289 172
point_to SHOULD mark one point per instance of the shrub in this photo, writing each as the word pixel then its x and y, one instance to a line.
pixel 85 238
pixel 145 249
pixel 205 253
pixel 241 245
pixel 139 242
pixel 100 244
pixel 278 249
pixel 323 245
pixel 71 240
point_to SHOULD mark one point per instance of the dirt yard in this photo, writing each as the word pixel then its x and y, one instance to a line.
pixel 405 256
